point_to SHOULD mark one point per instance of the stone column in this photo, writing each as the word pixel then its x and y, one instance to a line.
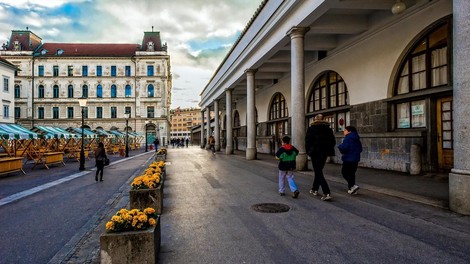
pixel 202 129
pixel 250 115
pixel 208 117
pixel 298 95
pixel 228 115
pixel 216 125
pixel 459 178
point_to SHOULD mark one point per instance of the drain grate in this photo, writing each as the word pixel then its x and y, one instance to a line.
pixel 270 208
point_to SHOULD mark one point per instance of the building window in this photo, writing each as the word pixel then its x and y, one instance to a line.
pixel 99 91
pixel 127 110
pixel 17 112
pixel 55 91
pixel 329 96
pixel 113 91
pixel 85 112
pixel 6 111
pixel 278 107
pixel 150 91
pixel 41 91
pixel 128 90
pixel 425 66
pixel 70 91
pixel 85 91
pixel 40 112
pixel 99 71
pixel 40 70
pixel 150 112
pixel 128 70
pixel 99 112
pixel 70 70
pixel 84 70
pixel 69 112
pixel 113 70
pixel 55 112
pixel 17 91
pixel 6 84
pixel 149 70
pixel 113 112
pixel 55 71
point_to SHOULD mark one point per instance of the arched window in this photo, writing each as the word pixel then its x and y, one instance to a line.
pixel 236 124
pixel 85 91
pixel 150 91
pixel 329 96
pixel 41 91
pixel 17 91
pixel 278 116
pixel 55 91
pixel 99 91
pixel 113 91
pixel 128 91
pixel 70 91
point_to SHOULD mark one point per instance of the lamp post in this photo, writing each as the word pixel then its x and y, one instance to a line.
pixel 82 101
pixel 126 115
pixel 146 144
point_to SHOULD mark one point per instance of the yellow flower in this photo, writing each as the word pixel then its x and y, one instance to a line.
pixel 117 219
pixel 143 218
pixel 152 222
pixel 109 225
pixel 149 210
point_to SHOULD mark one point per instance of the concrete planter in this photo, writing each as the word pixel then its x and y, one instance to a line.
pixel 131 247
pixel 160 157
pixel 141 199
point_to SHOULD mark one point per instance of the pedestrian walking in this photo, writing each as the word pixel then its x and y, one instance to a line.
pixel 286 156
pixel 100 157
pixel 350 149
pixel 320 144
pixel 212 144
pixel 156 142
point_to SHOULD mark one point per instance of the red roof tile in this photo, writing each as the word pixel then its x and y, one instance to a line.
pixel 90 50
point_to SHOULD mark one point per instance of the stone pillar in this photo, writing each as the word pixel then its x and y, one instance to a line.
pixel 459 178
pixel 202 129
pixel 208 130
pixel 298 95
pixel 216 125
pixel 250 115
pixel 228 114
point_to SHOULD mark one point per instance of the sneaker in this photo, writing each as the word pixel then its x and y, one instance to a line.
pixel 353 189
pixel 312 192
pixel 296 194
pixel 326 197
pixel 282 194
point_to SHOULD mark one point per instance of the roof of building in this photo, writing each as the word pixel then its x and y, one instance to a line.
pixel 8 64
pixel 89 50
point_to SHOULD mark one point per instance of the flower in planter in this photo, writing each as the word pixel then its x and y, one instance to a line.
pixel 161 151
pixel 132 220
pixel 146 181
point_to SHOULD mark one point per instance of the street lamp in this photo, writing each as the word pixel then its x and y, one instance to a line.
pixel 82 102
pixel 146 144
pixel 126 115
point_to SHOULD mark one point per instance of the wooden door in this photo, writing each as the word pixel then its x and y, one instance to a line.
pixel 445 134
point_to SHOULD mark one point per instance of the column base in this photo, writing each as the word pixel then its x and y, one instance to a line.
pixel 228 150
pixel 251 153
pixel 459 193
pixel 301 162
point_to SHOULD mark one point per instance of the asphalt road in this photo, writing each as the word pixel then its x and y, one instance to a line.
pixel 35 227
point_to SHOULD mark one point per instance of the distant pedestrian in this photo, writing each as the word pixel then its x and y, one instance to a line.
pixel 320 144
pixel 100 156
pixel 286 155
pixel 156 142
pixel 212 143
pixel 350 149
pixel 187 142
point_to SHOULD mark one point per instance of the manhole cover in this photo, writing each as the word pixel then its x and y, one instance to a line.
pixel 270 208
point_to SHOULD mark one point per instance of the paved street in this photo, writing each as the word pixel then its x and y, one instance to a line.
pixel 208 216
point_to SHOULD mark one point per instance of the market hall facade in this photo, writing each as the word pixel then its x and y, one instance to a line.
pixel 400 77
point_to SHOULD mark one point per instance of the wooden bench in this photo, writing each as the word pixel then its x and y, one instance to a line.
pixel 8 165
pixel 49 158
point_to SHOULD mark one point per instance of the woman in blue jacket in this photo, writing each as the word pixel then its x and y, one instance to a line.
pixel 350 149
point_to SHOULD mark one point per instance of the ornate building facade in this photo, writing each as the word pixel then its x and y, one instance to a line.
pixel 117 79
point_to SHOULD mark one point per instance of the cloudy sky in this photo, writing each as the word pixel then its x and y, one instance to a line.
pixel 199 33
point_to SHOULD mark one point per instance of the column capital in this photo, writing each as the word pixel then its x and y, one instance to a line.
pixel 296 32
pixel 251 71
pixel 229 89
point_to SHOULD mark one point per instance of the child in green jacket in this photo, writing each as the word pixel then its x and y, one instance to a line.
pixel 286 155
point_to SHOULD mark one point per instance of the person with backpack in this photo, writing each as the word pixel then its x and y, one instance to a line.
pixel 286 156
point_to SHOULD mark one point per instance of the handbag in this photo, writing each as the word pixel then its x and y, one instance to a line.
pixel 106 161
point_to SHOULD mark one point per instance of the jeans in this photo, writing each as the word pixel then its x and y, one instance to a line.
pixel 349 172
pixel 290 179
pixel 318 163
pixel 99 169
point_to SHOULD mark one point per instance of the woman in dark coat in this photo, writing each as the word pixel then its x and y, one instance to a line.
pixel 100 156
pixel 350 149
